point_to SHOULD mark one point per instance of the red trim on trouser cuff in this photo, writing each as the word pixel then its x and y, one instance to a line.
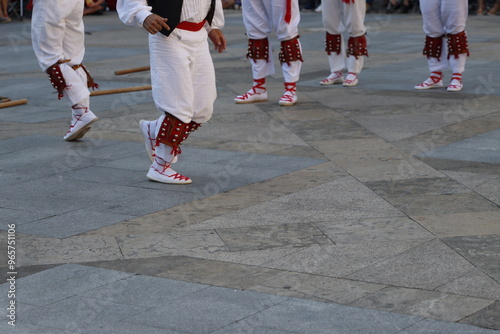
pixel 191 26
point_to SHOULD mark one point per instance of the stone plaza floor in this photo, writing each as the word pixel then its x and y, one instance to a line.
pixel 367 209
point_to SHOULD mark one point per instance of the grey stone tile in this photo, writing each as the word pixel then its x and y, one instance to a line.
pixel 374 159
pixel 341 260
pixel 482 148
pixel 418 187
pixel 461 224
pixel 67 224
pixel 38 250
pixel 20 217
pixel 368 230
pixel 482 251
pixel 428 326
pixel 262 237
pixel 28 328
pixel 180 243
pixel 483 184
pixel 427 205
pixel 120 327
pixel 62 282
pixel 219 273
pixel 425 266
pixel 428 304
pixel 213 308
pixel 475 284
pixel 111 176
pixel 250 127
pixel 143 291
pixel 55 195
pixel 303 316
pixel 344 198
pixel 78 314
pixel 316 287
pixel 488 317
pixel 144 201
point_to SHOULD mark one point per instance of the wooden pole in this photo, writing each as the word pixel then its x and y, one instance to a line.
pixel 132 70
pixel 119 90
pixel 13 103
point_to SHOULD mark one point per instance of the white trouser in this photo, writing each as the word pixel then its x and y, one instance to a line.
pixel 261 17
pixel 442 17
pixel 182 75
pixel 57 33
pixel 353 14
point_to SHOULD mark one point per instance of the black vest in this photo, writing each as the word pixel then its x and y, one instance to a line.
pixel 171 10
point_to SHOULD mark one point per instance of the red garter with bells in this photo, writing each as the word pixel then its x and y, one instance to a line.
pixel 356 46
pixel 457 44
pixel 57 79
pixel 333 43
pixel 433 47
pixel 173 132
pixel 290 51
pixel 258 49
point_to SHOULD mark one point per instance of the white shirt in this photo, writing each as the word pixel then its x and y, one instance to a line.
pixel 134 12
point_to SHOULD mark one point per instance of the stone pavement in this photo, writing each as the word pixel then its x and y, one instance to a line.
pixel 372 209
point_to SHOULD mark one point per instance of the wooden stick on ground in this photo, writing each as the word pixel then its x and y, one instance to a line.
pixel 120 90
pixel 132 70
pixel 13 103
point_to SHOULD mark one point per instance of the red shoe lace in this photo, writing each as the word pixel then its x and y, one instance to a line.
pixel 289 88
pixel 152 140
pixel 77 117
pixel 436 77
pixel 165 166
pixel 259 84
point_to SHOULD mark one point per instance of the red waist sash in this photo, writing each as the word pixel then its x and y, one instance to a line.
pixel 191 26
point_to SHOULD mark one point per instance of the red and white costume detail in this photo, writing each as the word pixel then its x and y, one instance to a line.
pixel 341 16
pixel 58 35
pixel 261 18
pixel 446 41
pixel 182 77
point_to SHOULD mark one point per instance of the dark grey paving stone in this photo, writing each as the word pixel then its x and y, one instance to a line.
pixel 62 282
pixel 264 237
pixel 488 317
pixel 481 148
pixel 18 217
pixel 426 267
pixel 143 291
pixel 78 314
pixel 128 328
pixel 213 308
pixel 68 224
pixel 146 201
pixel 23 327
pixel 303 316
pixel 414 187
pixel 483 251
pixel 428 326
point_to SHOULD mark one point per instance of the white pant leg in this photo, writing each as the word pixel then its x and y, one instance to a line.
pixel 57 31
pixel 257 17
pixel 454 14
pixel 354 16
pixel 178 62
pixel 433 26
pixel 331 12
pixel 286 31
pixel 76 82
